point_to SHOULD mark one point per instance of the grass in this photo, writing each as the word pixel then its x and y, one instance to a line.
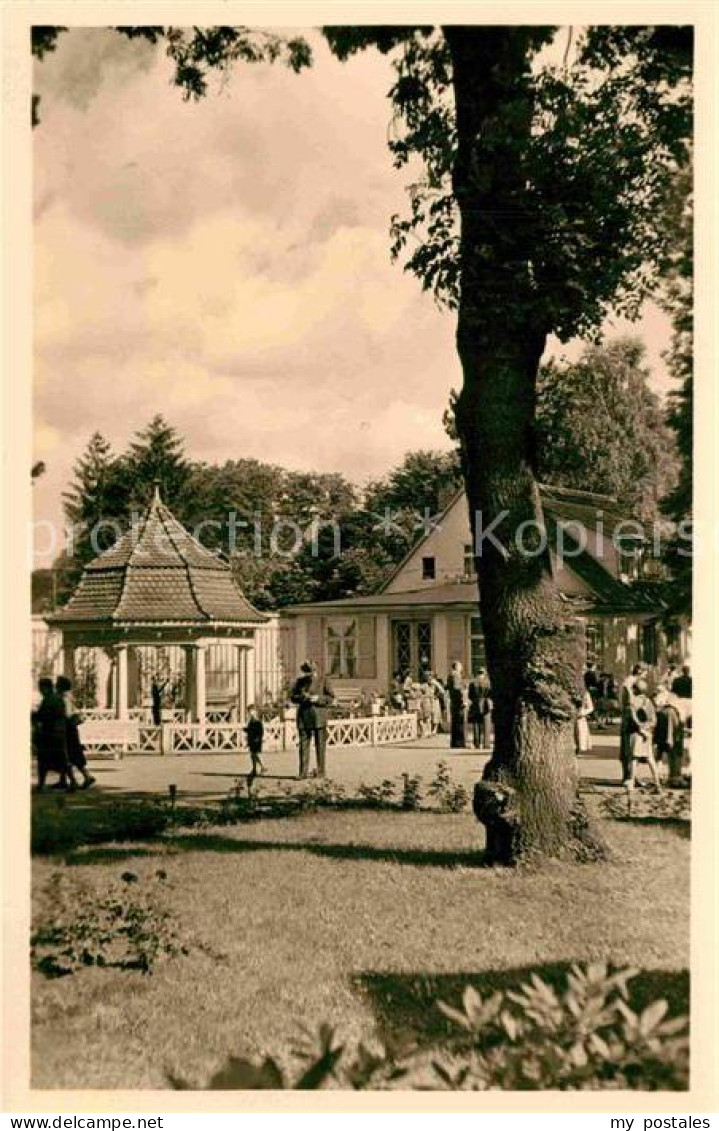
pixel 357 918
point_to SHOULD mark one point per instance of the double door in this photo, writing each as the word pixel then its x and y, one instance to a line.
pixel 411 647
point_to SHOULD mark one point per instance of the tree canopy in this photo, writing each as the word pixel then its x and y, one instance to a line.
pixel 600 427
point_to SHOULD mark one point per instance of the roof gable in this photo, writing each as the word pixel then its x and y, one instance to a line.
pixel 581 568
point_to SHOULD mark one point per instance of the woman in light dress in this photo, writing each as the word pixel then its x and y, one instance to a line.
pixel 582 733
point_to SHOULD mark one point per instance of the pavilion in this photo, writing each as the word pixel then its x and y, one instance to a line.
pixel 157 586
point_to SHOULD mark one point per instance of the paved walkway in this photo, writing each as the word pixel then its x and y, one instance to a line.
pixel 212 775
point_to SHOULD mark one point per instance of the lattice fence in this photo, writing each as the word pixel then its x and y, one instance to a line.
pixel 349 732
pixel 106 734
pixel 395 728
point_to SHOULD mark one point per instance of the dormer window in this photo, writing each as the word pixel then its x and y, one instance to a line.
pixel 630 549
pixel 429 569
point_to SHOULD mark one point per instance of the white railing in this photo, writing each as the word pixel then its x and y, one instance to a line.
pixel 394 728
pixel 199 738
pixel 142 715
pixel 280 734
pixel 97 714
pixel 149 740
pixel 219 715
pixel 101 735
pixel 350 732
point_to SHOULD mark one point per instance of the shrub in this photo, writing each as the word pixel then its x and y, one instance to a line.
pixel 379 796
pixel 117 930
pixel 450 796
pixel 533 1038
pixel 623 805
pixel 411 791
pixel 586 1037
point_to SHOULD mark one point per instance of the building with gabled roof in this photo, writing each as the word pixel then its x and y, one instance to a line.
pixel 426 613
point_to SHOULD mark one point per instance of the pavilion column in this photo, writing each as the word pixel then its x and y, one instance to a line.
pixel 189 650
pixel 121 681
pixel 250 682
pixel 197 682
pixel 133 678
pixel 68 660
pixel 103 670
pixel 245 682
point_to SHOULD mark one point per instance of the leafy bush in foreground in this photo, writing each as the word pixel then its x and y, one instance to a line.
pixel 669 805
pixel 449 796
pixel 532 1038
pixel 117 930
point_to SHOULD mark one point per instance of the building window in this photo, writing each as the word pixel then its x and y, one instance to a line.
pixel 412 647
pixel 222 671
pixel 648 643
pixel 594 637
pixel 403 647
pixel 673 636
pixel 630 553
pixel 342 648
pixel 469 566
pixel 428 569
pixel 478 652
pixel 424 646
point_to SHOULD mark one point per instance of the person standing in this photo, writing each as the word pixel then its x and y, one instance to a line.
pixel 487 706
pixel 669 735
pixel 605 698
pixel 312 696
pixel 682 685
pixel 582 734
pixel 643 721
pixel 75 750
pixel 50 736
pixel 480 709
pixel 625 727
pixel 457 688
pixel 591 679
pixel 156 691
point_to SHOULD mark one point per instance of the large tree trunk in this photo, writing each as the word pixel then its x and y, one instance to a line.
pixel 528 799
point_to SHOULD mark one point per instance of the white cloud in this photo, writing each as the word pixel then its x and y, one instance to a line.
pixel 226 263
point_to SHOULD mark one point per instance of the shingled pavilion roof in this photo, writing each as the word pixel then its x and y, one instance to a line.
pixel 157 573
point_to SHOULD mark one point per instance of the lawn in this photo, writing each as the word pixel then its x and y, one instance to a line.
pixel 359 918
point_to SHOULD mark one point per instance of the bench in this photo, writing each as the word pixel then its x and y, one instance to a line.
pixel 344 696
pixel 100 736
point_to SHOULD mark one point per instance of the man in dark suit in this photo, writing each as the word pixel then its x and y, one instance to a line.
pixel 313 696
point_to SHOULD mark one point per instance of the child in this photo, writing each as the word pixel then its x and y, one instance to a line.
pixel 255 733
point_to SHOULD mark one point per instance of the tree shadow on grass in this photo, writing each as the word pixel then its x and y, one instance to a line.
pixel 241 773
pixel 406 1010
pixel 207 842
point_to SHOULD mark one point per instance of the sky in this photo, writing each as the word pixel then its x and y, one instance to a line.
pixel 226 263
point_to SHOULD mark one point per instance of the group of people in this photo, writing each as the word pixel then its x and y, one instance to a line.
pixel 655 725
pixel 602 688
pixel 426 698
pixel 56 737
pixel 449 706
pixel 654 720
